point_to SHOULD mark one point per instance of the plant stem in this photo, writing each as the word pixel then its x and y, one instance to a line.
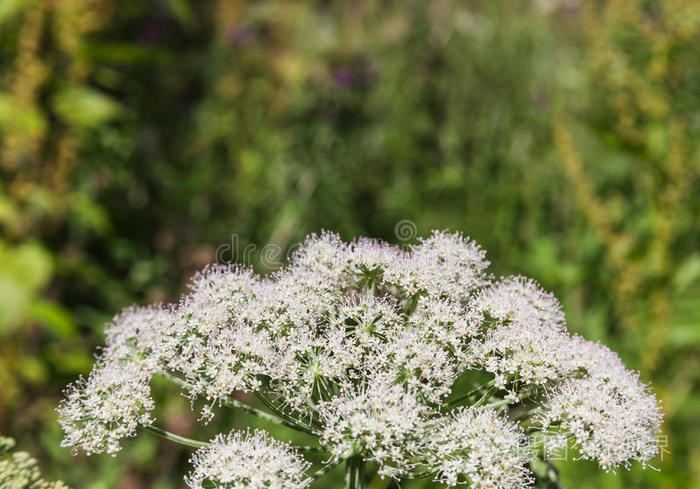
pixel 227 401
pixel 456 401
pixel 176 438
pixel 484 399
pixel 499 403
pixel 309 449
pixel 354 472
pixel 272 418
pixel 282 418
pixel 326 468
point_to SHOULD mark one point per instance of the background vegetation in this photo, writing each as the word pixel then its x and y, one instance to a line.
pixel 140 140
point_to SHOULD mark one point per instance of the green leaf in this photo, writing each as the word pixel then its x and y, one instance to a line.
pixel 27 120
pixel 10 8
pixel 182 11
pixel 53 317
pixel 85 107
pixel 24 271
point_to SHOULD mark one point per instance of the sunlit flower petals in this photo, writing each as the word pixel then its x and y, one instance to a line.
pixel 529 353
pixel 443 265
pixel 247 460
pixel 479 447
pixel 104 408
pixel 379 419
pixel 609 413
pixel 518 300
pixel 362 342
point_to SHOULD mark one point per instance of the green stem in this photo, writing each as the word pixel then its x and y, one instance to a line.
pixel 456 401
pixel 227 401
pixel 323 470
pixel 354 472
pixel 421 475
pixel 309 449
pixel 484 399
pixel 495 404
pixel 281 417
pixel 176 438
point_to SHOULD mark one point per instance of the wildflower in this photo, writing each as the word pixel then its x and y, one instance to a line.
pixel 518 300
pixel 608 413
pixel 479 447
pixel 250 460
pixel 361 344
pixel 379 420
pixel 443 265
pixel 445 322
pixel 427 368
pixel 19 470
pixel 98 412
pixel 526 353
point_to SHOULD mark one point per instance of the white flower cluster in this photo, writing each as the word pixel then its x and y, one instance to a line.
pixel 108 406
pixel 383 422
pixel 247 460
pixel 610 415
pixel 479 446
pixel 362 343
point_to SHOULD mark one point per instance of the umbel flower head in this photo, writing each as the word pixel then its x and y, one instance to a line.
pixel 481 446
pixel 251 460
pixel 413 359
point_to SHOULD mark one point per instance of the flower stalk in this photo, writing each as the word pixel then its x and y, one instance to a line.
pixel 322 471
pixel 354 472
pixel 233 403
pixel 176 438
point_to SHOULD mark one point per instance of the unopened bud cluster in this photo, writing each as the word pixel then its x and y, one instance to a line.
pixel 19 470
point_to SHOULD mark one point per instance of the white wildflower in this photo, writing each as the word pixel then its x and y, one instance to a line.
pixel 209 344
pixel 524 353
pixel 247 460
pixel 424 366
pixel 381 421
pixel 361 344
pixel 369 258
pixel 519 301
pixel 321 262
pixel 339 347
pixel 98 412
pixel 137 335
pixel 443 265
pixel 610 415
pixel 445 322
pixel 479 447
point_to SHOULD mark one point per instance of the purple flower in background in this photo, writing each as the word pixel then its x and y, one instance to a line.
pixel 154 32
pixel 344 76
pixel 353 75
pixel 243 35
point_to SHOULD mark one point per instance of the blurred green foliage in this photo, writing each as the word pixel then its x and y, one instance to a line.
pixel 141 140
